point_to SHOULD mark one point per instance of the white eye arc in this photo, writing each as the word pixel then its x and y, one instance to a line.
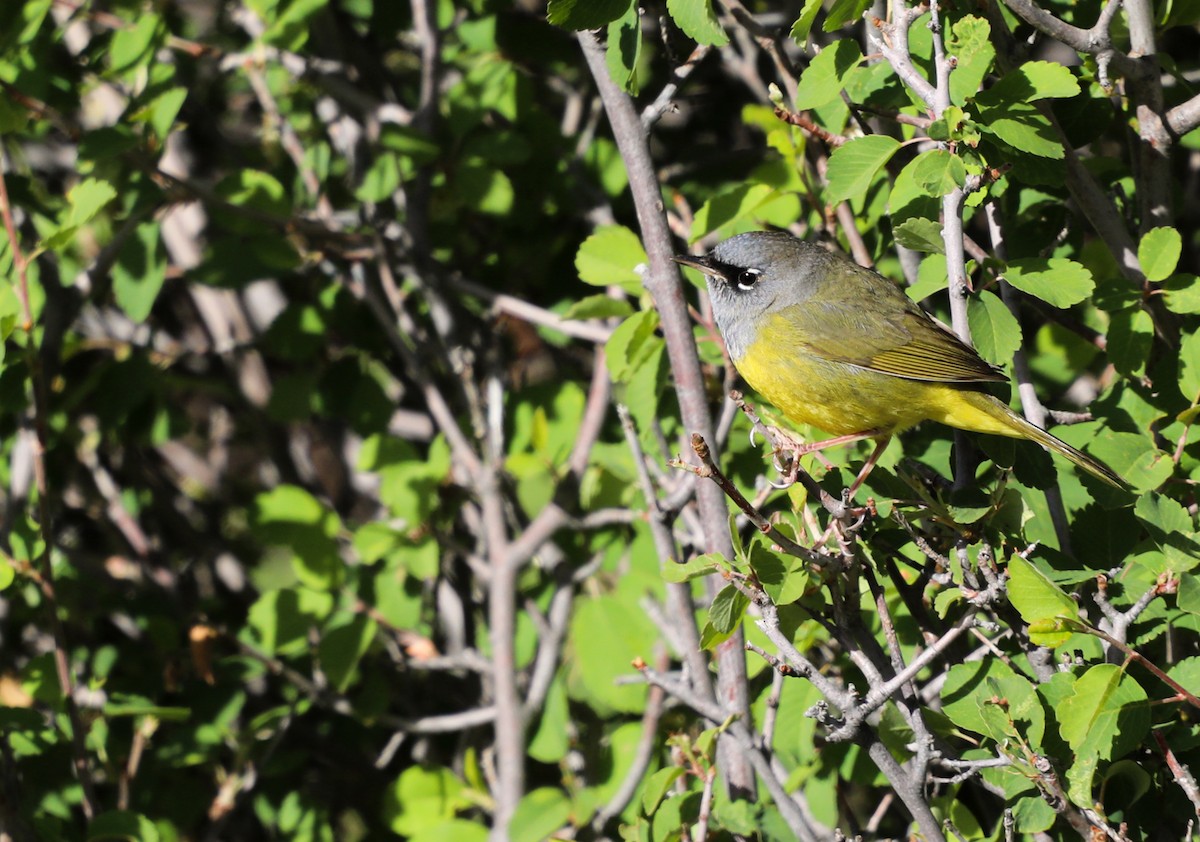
pixel 747 278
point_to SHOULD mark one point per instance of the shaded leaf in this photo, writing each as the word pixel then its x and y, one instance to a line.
pixel 585 14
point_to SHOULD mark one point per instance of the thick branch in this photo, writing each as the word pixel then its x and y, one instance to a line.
pixel 664 284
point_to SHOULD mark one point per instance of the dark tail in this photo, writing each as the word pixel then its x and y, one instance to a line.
pixel 1093 466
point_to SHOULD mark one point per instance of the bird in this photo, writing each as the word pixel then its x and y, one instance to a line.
pixel 839 347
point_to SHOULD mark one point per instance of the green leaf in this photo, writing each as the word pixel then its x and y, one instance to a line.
pixel 803 25
pixel 454 830
pixel 658 786
pixel 1021 713
pixel 1134 457
pixel 255 190
pixel 87 199
pixel 937 172
pixel 375 540
pixel 1167 516
pixel 1030 81
pixel 408 143
pixel 289 516
pixel 727 609
pixel 585 14
pixel 994 329
pixel 1187 671
pixel 381 179
pixel 422 798
pixel 784 577
pixel 1037 600
pixel 698 21
pixel 1022 127
pixel 1189 367
pixel 630 344
pixel 970 43
pixel 133 45
pixel 624 48
pixel 1158 253
pixel 1105 715
pixel 13 117
pixel 931 278
pixel 966 687
pixel 539 815
pixel 139 272
pixel 731 206
pixel 122 825
pixel 483 188
pixel 843 12
pixel 611 256
pixel 84 201
pixel 282 619
pixel 824 78
pixel 32 13
pixel 741 818
pixel 123 705
pixel 854 164
pixel 163 109
pixel 1130 334
pixel 342 647
pixel 695 568
pixel 607 633
pixel 646 382
pixel 550 741
pixel 1182 294
pixel 920 234
pixel 1056 280
pixel 290 29
pixel 598 307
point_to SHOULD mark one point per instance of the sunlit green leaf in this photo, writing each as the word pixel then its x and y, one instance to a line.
pixel 698 21
pixel 854 164
pixel 1158 252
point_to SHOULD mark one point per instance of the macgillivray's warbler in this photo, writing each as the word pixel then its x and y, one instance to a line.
pixel 842 348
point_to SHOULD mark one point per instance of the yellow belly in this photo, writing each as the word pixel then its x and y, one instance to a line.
pixel 842 399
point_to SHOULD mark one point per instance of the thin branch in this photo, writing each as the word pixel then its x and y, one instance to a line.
pixel 679 595
pixel 1184 117
pixel 789 809
pixel 708 469
pixel 1182 774
pixel 525 311
pixel 643 755
pixel 1095 41
pixel 653 112
pixel 891 40
pixel 1031 405
pixel 66 676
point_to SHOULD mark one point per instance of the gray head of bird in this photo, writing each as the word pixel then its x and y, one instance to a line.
pixel 754 274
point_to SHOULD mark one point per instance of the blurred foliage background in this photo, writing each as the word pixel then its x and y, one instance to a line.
pixel 319 519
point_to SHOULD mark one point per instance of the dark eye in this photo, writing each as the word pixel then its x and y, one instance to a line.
pixel 748 278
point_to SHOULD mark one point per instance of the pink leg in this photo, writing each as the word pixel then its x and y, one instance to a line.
pixel 800 448
pixel 869 465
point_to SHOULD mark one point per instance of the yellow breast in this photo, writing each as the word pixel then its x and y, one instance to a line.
pixel 842 399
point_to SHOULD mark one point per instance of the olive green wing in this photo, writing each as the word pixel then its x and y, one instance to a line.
pixel 871 323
